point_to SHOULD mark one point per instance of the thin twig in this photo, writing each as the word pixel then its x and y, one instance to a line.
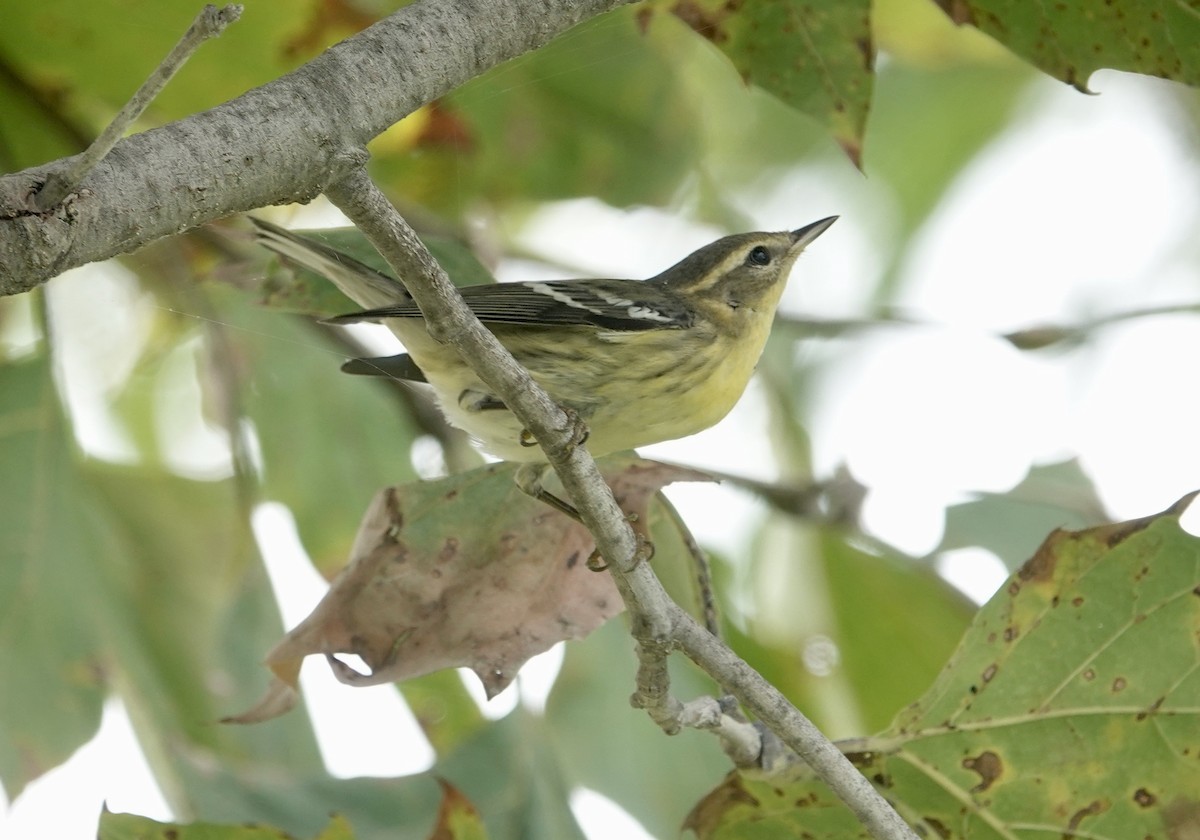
pixel 742 741
pixel 658 623
pixel 62 182
pixel 1047 335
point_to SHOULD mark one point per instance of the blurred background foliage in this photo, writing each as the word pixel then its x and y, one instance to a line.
pixel 149 405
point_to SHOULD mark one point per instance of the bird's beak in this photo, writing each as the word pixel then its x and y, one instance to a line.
pixel 802 237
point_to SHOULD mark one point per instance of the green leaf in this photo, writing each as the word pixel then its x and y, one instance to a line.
pixel 1071 40
pixel 1070 708
pixel 817 57
pixel 591 113
pixel 882 604
pixel 828 617
pixel 189 610
pixel 513 774
pixel 300 802
pixel 508 770
pixel 957 108
pixel 51 591
pixel 132 827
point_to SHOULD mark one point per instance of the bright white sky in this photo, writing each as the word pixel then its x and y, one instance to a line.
pixel 1090 206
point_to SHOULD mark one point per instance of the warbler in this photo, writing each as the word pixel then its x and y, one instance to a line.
pixel 639 361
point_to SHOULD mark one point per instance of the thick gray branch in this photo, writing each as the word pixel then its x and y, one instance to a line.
pixel 277 143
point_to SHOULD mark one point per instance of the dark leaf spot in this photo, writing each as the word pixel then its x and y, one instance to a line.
pixel 705 22
pixel 938 827
pixel 1144 797
pixel 1095 807
pixel 989 767
pixel 1152 709
pixel 1040 566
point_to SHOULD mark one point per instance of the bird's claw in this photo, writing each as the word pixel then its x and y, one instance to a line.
pixel 579 430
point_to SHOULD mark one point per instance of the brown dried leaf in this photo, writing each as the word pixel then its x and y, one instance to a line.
pixel 463 571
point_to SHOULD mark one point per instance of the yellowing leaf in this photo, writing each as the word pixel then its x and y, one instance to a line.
pixel 1071 709
pixel 457 818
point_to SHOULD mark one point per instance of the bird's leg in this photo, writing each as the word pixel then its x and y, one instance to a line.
pixel 579 430
pixel 528 479
pixel 529 476
pixel 644 550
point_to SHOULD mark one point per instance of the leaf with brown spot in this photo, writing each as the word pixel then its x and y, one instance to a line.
pixel 818 56
pixel 465 571
pixel 114 826
pixel 1070 39
pixel 1085 721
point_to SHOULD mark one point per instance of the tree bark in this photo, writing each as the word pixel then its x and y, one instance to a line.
pixel 278 143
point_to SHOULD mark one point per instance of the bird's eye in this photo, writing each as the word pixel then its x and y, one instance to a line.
pixel 758 256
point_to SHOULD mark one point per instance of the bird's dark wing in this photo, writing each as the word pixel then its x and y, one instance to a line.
pixel 397 367
pixel 609 304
